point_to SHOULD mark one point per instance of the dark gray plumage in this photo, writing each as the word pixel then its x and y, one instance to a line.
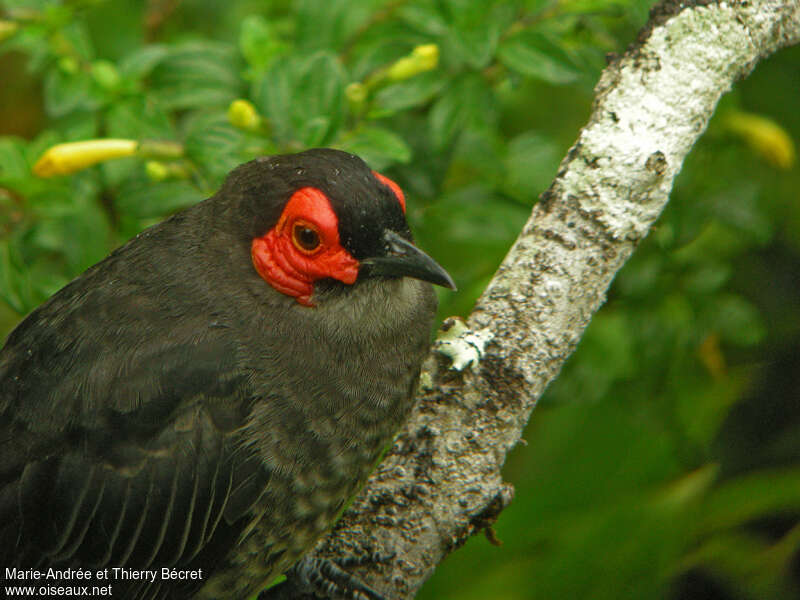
pixel 170 408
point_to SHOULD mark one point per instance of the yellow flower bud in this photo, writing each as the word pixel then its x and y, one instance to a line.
pixel 242 114
pixel 160 171
pixel 764 136
pixel 156 171
pixel 427 55
pixel 69 65
pixel 7 29
pixel 63 159
pixel 422 58
pixel 356 94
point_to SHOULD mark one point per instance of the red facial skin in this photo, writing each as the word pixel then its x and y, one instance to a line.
pixel 286 265
pixel 281 259
pixel 394 187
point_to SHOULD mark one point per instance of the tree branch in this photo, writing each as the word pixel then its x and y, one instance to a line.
pixel 441 482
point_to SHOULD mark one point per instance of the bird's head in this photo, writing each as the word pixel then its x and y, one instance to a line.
pixel 324 214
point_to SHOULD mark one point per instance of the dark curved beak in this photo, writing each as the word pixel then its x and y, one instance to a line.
pixel 404 259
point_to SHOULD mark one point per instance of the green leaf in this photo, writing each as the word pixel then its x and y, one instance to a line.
pixel 475 242
pixel 330 23
pixel 258 42
pixel 476 44
pixel 214 145
pixel 707 277
pixel 446 118
pixel 77 35
pixel 535 55
pixel 607 357
pixel 134 117
pixel 379 147
pixel 79 234
pixel 702 409
pixel 314 130
pixel 750 497
pixel 466 103
pixel 197 75
pixel 739 207
pixel 15 285
pixel 424 17
pixel 13 165
pixel 139 118
pixel 303 98
pixel 141 198
pixel 711 238
pixel 410 93
pixel 530 165
pixel 65 93
pixel 379 47
pixel 142 61
pixel 641 276
pixel 78 125
pixel 737 320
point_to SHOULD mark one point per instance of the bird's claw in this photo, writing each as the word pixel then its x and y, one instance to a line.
pixel 316 578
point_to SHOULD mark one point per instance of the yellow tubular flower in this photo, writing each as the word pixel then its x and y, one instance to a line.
pixel 63 159
pixel 765 136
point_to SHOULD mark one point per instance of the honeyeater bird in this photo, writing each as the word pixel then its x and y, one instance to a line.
pixel 210 395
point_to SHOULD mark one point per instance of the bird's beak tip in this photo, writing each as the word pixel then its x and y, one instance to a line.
pixel 404 259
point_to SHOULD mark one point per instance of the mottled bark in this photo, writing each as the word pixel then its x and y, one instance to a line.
pixel 441 481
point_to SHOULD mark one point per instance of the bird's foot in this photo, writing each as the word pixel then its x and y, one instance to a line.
pixel 316 578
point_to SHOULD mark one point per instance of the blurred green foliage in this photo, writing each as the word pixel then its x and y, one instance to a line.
pixel 663 462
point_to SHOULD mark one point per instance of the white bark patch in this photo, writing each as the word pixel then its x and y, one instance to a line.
pixel 653 108
pixel 461 345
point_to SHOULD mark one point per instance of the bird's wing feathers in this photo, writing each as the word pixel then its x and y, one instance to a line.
pixel 121 448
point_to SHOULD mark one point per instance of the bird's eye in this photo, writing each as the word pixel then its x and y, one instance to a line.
pixel 305 237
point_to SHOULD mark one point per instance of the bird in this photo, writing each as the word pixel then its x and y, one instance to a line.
pixel 207 398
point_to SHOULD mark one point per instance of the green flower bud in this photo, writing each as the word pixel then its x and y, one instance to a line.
pixel 160 149
pixel 105 74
